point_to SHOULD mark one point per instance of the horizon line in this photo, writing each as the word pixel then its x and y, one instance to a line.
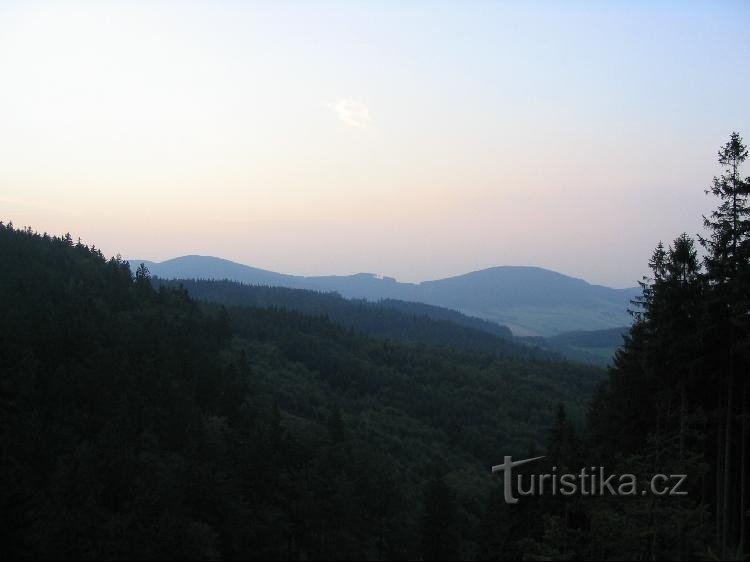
pixel 377 275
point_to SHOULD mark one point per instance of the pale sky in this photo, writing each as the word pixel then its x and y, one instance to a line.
pixel 412 139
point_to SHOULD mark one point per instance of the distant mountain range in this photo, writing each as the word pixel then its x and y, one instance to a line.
pixel 531 301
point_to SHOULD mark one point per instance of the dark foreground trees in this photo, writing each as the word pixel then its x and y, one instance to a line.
pixel 675 402
pixel 136 423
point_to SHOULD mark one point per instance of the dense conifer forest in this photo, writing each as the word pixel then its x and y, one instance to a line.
pixel 676 401
pixel 138 423
pixel 409 322
pixel 400 321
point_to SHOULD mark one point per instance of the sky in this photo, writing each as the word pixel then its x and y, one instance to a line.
pixel 416 140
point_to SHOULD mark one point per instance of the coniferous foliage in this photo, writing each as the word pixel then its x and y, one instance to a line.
pixel 414 323
pixel 139 424
pixel 675 402
pixel 440 539
pixel 410 322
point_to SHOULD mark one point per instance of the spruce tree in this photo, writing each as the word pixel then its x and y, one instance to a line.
pixel 727 273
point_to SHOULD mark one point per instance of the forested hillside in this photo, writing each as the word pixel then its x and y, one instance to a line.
pixel 532 301
pixel 407 322
pixel 411 322
pixel 596 347
pixel 138 424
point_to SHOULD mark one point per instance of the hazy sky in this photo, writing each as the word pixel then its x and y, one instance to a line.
pixel 412 139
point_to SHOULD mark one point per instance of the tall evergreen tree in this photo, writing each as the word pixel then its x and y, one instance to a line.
pixel 727 273
pixel 440 539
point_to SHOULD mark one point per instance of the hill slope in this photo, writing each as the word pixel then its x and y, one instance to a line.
pixel 390 319
pixel 137 424
pixel 529 300
pixel 595 347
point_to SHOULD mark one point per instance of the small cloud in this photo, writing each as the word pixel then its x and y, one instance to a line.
pixel 352 112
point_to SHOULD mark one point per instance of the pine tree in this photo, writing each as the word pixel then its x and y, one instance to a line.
pixel 335 425
pixel 142 275
pixel 727 272
pixel 440 539
pixel 563 450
